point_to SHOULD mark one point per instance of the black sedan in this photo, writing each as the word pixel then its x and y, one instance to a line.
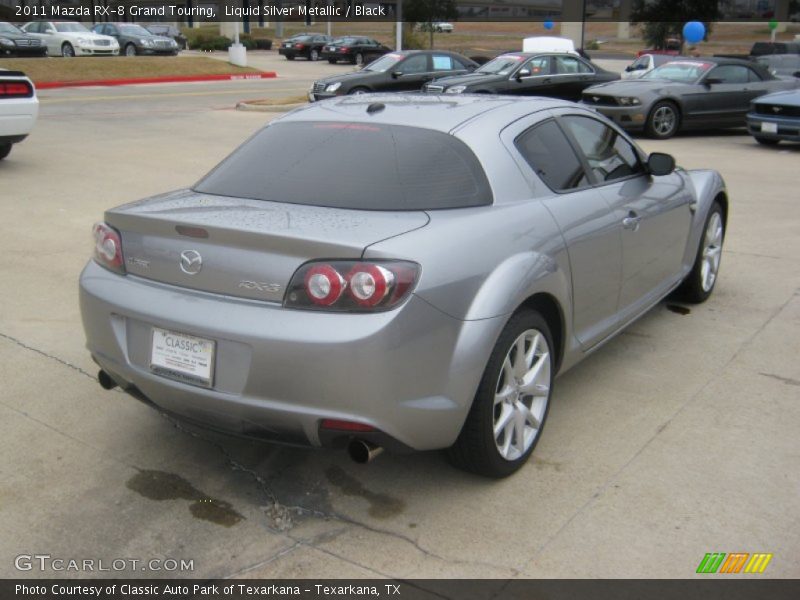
pixel 687 93
pixel 557 75
pixel 309 46
pixel 394 72
pixel 356 50
pixel 15 42
pixel 134 39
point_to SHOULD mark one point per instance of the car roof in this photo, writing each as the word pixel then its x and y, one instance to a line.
pixel 428 111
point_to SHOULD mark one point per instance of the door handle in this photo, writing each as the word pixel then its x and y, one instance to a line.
pixel 631 221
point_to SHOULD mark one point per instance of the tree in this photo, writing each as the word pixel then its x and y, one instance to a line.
pixel 658 18
pixel 429 11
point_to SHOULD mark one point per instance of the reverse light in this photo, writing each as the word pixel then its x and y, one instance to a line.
pixel 351 286
pixel 108 247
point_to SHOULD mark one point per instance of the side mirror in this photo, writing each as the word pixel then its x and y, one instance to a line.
pixel 396 74
pixel 523 73
pixel 629 68
pixel 659 163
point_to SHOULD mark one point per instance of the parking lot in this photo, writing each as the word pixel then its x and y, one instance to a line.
pixel 676 439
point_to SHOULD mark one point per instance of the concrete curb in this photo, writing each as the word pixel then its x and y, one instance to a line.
pixel 246 106
pixel 49 85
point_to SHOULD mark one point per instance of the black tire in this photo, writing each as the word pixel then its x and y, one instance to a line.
pixel 766 141
pixel 358 59
pixel 692 289
pixel 130 50
pixel 655 127
pixel 332 61
pixel 360 89
pixel 67 51
pixel 4 150
pixel 313 54
pixel 290 57
pixel 476 449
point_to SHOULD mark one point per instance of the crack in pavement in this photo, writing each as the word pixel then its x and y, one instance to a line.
pixel 280 517
pixel 601 489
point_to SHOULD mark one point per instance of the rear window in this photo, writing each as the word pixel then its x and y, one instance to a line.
pixel 362 166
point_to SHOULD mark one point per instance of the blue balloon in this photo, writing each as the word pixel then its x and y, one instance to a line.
pixel 694 31
pixel 548 25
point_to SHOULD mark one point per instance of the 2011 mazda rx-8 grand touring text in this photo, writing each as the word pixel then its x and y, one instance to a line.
pixel 400 272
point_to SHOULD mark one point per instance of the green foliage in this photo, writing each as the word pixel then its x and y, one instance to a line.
pixel 413 40
pixel 657 18
pixel 592 45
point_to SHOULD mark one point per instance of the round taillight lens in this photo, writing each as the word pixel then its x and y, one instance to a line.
pixel 324 285
pixel 368 284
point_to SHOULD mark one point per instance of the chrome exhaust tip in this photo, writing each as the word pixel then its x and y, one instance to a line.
pixel 105 380
pixel 362 452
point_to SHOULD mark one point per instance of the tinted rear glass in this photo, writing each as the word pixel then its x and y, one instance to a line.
pixel 352 165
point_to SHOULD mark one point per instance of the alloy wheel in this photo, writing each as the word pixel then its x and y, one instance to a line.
pixel 712 252
pixel 522 394
pixel 664 120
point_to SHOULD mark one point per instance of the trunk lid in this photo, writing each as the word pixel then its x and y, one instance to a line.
pixel 240 247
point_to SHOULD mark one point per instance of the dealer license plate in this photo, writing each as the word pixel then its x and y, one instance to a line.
pixel 183 357
pixel 769 127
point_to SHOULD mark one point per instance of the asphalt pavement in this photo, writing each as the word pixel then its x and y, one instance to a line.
pixel 676 439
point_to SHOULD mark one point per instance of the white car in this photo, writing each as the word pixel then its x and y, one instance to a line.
pixel 19 108
pixel 69 38
pixel 437 26
pixel 646 63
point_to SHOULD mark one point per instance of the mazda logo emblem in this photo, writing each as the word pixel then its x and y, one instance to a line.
pixel 191 262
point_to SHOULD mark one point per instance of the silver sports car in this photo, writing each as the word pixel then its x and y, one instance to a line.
pixel 400 272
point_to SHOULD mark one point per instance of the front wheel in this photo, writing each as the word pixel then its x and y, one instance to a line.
pixel 67 51
pixel 699 284
pixel 5 149
pixel 358 91
pixel 509 410
pixel 130 50
pixel 663 121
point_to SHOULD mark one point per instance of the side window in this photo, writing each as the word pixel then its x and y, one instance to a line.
pixel 34 27
pixel 568 65
pixel 416 63
pixel 730 73
pixel 442 62
pixel 610 156
pixel 457 64
pixel 753 76
pixel 545 148
pixel 539 65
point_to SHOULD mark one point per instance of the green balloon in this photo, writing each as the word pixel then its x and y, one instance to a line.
pixel 773 24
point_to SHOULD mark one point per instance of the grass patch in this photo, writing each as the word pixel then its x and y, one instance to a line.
pixel 279 101
pixel 41 70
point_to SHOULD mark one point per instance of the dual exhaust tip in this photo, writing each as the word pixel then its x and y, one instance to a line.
pixel 360 451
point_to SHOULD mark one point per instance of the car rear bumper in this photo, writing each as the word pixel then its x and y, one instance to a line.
pixel 411 373
pixel 631 118
pixel 18 116
pixel 788 128
pixel 288 52
pixel 335 55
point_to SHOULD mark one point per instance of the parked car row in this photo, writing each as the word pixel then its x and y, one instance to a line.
pixel 70 38
pixel 353 49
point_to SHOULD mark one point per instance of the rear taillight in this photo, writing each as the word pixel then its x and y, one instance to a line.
pixel 108 247
pixel 344 49
pixel 16 89
pixel 351 286
pixel 299 46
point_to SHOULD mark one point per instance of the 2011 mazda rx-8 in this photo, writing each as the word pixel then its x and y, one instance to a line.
pixel 401 272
